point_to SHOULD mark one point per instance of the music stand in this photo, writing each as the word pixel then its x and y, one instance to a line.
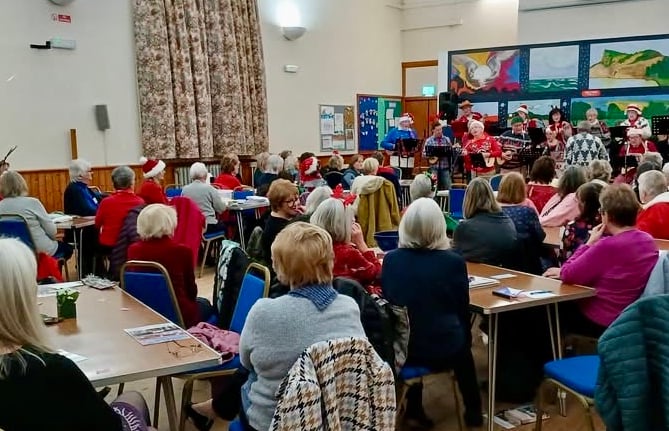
pixel 477 160
pixel 660 125
pixel 537 135
pixel 496 130
pixel 438 151
pixel 619 132
pixel 631 162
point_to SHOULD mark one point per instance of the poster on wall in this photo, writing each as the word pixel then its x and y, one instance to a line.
pixel 376 115
pixel 553 69
pixel 337 123
pixel 611 110
pixel 539 109
pixel 629 64
pixel 489 111
pixel 485 72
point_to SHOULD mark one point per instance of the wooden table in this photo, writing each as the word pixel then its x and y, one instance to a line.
pixel 77 226
pixel 241 207
pixel 113 356
pixel 483 301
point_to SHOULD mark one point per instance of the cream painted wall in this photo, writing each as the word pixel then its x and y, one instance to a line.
pixel 417 77
pixel 45 93
pixel 351 46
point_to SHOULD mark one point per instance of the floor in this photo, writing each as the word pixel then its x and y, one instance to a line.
pixel 438 398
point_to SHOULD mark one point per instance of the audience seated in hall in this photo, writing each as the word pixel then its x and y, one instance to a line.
pixel 155 226
pixel 261 167
pixel 32 372
pixel 273 166
pixel 285 205
pixel 354 170
pixel 421 187
pixel 151 190
pixel 616 261
pixel 79 199
pixel 539 188
pixel 654 197
pixel 577 232
pixel 599 170
pixel 314 199
pixel 229 172
pixel 487 235
pixel 206 197
pixel 563 206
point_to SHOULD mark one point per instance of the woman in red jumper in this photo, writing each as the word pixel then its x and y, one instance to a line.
pixel 151 190
pixel 353 258
pixel 155 226
pixel 229 170
pixel 482 143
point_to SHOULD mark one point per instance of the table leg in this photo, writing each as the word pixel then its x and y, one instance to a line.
pixel 562 395
pixel 550 329
pixel 240 228
pixel 492 368
pixel 170 403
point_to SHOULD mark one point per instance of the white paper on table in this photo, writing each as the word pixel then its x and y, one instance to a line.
pixel 326 142
pixel 155 334
pixel 502 276
pixel 338 124
pixel 45 290
pixel 71 356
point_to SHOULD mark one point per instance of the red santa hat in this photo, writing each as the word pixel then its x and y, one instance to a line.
pixel 474 123
pixel 632 131
pixel 523 108
pixel 633 107
pixel 407 116
pixel 309 166
pixel 151 167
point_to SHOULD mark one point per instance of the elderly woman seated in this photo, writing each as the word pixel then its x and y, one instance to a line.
pixel 616 261
pixel 278 330
pixel 487 235
pixel 155 226
pixel 314 199
pixel 563 206
pixel 600 170
pixel 261 166
pixel 79 198
pixel 654 218
pixel 421 187
pixel 437 302
pixel 206 197
pixel 42 229
pixel 285 205
pixel 273 167
pixel 114 209
pixel 353 258
pixel 228 178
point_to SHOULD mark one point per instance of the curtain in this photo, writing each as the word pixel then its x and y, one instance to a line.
pixel 201 78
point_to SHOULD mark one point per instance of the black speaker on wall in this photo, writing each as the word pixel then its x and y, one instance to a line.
pixel 102 117
pixel 448 105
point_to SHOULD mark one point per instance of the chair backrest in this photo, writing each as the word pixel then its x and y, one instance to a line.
pixel 190 224
pixel 231 269
pixel 456 198
pixel 253 288
pixel 398 172
pixel 495 180
pixel 333 178
pixel 172 191
pixel 15 226
pixel 149 283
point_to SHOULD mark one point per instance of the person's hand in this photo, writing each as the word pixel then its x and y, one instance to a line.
pixel 507 155
pixel 596 234
pixel 552 273
pixel 357 237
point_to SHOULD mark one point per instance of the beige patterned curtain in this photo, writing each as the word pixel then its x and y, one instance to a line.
pixel 201 78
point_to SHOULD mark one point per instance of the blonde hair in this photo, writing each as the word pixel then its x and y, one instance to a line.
pixel 302 254
pixel 335 218
pixel 479 198
pixel 279 191
pixel 336 162
pixel 13 185
pixel 599 170
pixel 512 189
pixel 156 221
pixel 21 325
pixel 370 166
pixel 423 226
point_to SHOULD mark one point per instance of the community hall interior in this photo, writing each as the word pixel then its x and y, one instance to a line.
pixel 340 215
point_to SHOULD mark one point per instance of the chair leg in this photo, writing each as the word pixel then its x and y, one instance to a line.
pixel 121 386
pixel 204 257
pixel 170 403
pixel 156 402
pixel 538 405
pixel 456 398
pixel 186 397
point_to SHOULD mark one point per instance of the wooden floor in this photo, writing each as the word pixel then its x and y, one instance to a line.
pixel 437 397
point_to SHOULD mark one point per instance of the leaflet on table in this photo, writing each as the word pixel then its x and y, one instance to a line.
pixel 475 281
pixel 71 356
pixel 44 290
pixel 156 334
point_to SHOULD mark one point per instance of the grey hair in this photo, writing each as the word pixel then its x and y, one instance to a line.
pixel 421 187
pixel 652 183
pixel 79 167
pixel 583 126
pixel 317 195
pixel 592 111
pixel 335 218
pixel 123 177
pixel 198 171
pixel 423 226
pixel 653 157
pixel 274 164
pixel 600 170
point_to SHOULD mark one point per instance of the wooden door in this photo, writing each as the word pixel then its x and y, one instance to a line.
pixel 421 108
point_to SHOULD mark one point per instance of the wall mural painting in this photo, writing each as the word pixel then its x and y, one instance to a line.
pixel 553 69
pixel 539 109
pixel 485 72
pixel 611 110
pixel 489 111
pixel 636 63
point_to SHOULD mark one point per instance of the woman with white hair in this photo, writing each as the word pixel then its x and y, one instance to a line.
pixel 205 196
pixel 314 199
pixel 654 197
pixel 37 385
pixel 155 226
pixel 421 187
pixel 598 128
pixel 273 167
pixel 261 165
pixel 353 258
pixel 438 305
pixel 79 198
pixel 479 142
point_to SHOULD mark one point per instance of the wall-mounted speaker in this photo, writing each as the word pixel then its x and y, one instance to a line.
pixel 102 117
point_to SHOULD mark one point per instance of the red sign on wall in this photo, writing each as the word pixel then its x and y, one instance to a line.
pixel 67 19
pixel 591 93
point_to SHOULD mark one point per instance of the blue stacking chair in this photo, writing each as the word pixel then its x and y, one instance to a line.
pixel 456 197
pixel 577 376
pixel 207 239
pixel 16 226
pixel 172 191
pixel 495 180
pixel 235 425
pixel 410 376
pixel 254 287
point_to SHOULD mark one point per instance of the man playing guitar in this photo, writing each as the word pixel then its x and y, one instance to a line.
pixel 481 143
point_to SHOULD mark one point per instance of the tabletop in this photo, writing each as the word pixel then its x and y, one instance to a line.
pixel 249 205
pixel 112 355
pixel 482 300
pixel 77 223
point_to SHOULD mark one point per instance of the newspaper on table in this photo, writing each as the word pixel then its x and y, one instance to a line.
pixel 156 334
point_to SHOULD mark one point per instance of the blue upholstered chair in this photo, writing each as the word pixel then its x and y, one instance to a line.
pixel 235 426
pixel 456 198
pixel 577 376
pixel 207 239
pixel 495 180
pixel 172 191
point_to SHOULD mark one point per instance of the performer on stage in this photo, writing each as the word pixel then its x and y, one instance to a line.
pixel 402 131
pixel 467 113
pixel 555 149
pixel 513 141
pixel 558 124
pixel 441 164
pixel 524 113
pixel 481 143
pixel 598 128
pixel 636 145
pixel 636 121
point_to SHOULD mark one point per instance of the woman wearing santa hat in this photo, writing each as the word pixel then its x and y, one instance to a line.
pixel 524 113
pixel 310 176
pixel 636 120
pixel 151 190
pixel 402 131
pixel 482 143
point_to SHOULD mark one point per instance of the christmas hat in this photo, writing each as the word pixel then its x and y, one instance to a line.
pixel 516 119
pixel 407 116
pixel 633 107
pixel 474 123
pixel 634 132
pixel 309 166
pixel 151 167
pixel 523 109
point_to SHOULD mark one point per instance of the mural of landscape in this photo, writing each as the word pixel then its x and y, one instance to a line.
pixel 485 72
pixel 612 109
pixel 553 69
pixel 642 63
pixel 489 110
pixel 539 109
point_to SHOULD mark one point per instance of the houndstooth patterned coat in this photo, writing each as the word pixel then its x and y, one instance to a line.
pixel 337 385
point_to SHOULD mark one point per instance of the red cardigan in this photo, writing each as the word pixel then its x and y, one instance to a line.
pixel 349 262
pixel 655 220
pixel 178 260
pixel 228 181
pixel 152 192
pixel 112 213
